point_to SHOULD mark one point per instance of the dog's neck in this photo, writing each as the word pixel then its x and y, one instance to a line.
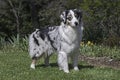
pixel 69 33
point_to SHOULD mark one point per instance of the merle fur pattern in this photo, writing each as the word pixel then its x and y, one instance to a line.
pixel 64 40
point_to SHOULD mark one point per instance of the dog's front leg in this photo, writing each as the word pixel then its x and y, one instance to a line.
pixel 63 61
pixel 74 59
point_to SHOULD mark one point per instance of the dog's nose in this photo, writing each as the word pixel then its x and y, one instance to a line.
pixel 76 23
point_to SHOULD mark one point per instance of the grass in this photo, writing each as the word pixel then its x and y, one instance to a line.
pixel 15 64
pixel 100 51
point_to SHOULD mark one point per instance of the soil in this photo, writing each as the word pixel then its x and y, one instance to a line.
pixel 101 61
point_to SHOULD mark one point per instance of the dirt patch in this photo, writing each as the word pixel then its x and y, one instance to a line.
pixel 101 61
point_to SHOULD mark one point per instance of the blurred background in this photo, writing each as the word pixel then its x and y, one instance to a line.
pixel 101 18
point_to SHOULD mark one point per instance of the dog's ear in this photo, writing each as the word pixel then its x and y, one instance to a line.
pixel 63 16
pixel 78 13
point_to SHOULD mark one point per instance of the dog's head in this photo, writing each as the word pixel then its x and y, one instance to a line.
pixel 71 17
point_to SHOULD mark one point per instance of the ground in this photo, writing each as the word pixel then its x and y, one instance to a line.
pixel 101 61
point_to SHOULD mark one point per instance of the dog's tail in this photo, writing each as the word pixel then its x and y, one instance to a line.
pixel 31 45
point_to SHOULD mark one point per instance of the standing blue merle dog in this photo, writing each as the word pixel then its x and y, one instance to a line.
pixel 64 39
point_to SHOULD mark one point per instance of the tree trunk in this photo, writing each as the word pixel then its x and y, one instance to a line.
pixel 34 13
pixel 16 16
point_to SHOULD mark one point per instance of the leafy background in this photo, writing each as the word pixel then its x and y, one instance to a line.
pixel 101 18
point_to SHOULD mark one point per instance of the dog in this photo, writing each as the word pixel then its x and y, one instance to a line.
pixel 64 40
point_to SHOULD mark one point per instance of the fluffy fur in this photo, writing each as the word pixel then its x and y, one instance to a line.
pixel 64 39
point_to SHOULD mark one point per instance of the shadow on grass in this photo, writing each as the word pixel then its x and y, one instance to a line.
pixel 70 66
pixel 44 66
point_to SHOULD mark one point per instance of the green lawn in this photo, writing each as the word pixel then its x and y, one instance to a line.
pixel 14 65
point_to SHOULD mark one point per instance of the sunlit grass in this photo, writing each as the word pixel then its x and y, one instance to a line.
pixel 95 50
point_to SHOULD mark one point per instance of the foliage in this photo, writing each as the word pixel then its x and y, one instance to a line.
pixel 101 17
pixel 14 43
pixel 102 21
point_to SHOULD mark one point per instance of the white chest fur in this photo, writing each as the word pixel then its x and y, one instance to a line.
pixel 71 37
pixel 70 34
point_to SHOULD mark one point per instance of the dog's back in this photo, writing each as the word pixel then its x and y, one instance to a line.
pixel 39 44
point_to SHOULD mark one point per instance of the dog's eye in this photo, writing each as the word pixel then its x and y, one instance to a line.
pixel 76 15
pixel 69 18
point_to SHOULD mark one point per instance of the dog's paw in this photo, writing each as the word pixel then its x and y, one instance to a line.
pixel 76 68
pixel 32 66
pixel 66 71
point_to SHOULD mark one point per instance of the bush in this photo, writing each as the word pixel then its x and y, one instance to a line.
pixel 101 17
